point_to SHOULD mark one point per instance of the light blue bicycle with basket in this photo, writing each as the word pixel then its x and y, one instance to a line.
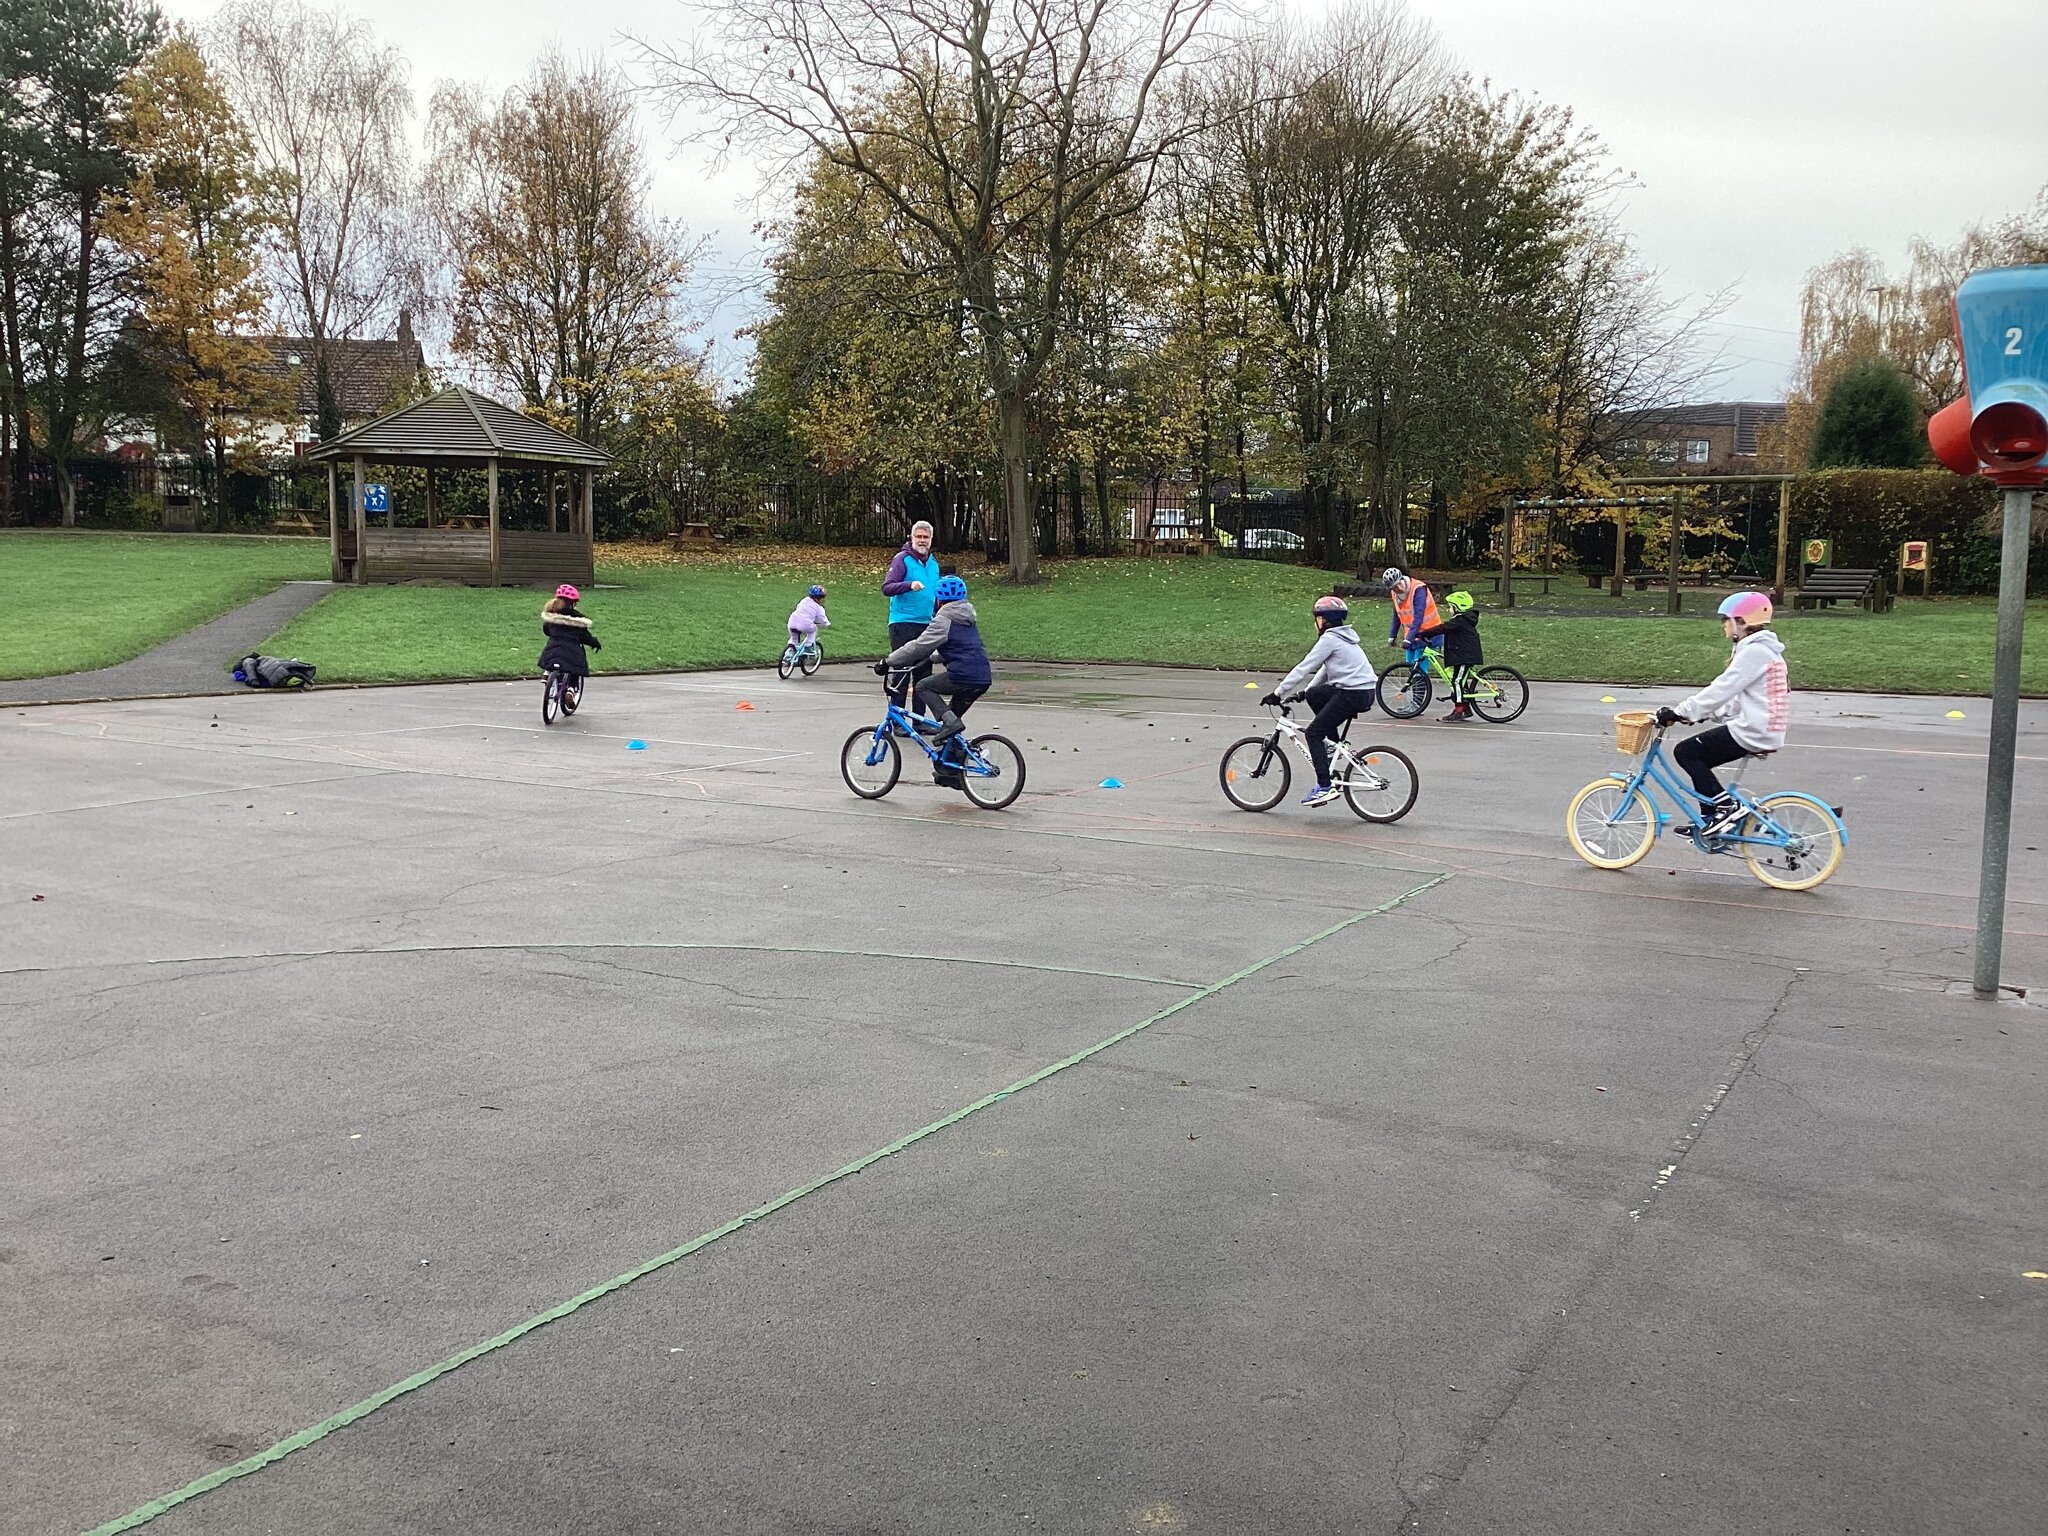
pixel 1789 839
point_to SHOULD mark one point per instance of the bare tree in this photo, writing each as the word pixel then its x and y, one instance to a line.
pixel 327 108
pixel 563 287
pixel 1322 123
pixel 1033 125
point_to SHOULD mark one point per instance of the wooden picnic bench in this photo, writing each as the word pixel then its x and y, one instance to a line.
pixel 1522 576
pixel 699 535
pixel 1825 585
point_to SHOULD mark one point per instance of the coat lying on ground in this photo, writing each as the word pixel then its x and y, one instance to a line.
pixel 273 672
pixel 568 633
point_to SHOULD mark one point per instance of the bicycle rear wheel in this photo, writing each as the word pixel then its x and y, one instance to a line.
pixel 1254 773
pixel 1381 784
pixel 1003 782
pixel 1404 690
pixel 1610 825
pixel 812 659
pixel 1812 846
pixel 572 694
pixel 550 697
pixel 870 763
pixel 1502 694
pixel 788 663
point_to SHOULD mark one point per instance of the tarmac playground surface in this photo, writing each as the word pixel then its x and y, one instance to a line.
pixel 1449 1185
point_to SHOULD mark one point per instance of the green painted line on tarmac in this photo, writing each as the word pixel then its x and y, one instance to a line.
pixel 314 1433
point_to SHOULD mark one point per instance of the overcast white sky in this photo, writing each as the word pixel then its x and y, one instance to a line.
pixel 1765 135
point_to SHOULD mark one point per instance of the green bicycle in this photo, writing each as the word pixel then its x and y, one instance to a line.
pixel 1497 694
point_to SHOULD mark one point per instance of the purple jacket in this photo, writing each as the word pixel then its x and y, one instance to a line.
pixel 906 606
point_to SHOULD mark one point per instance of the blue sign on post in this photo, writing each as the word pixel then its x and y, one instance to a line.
pixel 376 498
pixel 2002 322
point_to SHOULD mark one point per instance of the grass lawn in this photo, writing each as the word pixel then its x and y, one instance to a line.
pixel 84 600
pixel 727 609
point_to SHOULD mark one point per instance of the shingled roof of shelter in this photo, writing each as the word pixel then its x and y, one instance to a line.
pixel 459 423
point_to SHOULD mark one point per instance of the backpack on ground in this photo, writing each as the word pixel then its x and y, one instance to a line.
pixel 274 672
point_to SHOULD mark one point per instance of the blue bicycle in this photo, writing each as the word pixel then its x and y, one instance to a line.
pixel 991 768
pixel 806 655
pixel 1790 840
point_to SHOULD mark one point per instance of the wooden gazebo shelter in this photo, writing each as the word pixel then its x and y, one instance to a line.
pixel 460 429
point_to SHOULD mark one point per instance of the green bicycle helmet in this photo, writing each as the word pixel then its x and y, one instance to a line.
pixel 1459 602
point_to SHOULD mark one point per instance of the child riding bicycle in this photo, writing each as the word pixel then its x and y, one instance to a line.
pixel 808 618
pixel 568 634
pixel 1338 682
pixel 1458 634
pixel 1753 696
pixel 963 674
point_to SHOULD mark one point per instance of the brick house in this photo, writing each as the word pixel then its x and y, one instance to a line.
pixel 369 377
pixel 1728 437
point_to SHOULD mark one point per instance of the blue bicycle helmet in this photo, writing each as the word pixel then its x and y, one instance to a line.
pixel 817 592
pixel 951 589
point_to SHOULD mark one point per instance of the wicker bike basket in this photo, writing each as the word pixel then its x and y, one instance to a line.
pixel 1633 729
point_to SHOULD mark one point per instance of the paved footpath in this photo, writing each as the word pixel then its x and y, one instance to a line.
pixel 195 662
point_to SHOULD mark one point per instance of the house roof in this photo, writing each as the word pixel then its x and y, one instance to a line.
pixel 367 375
pixel 1745 416
pixel 459 423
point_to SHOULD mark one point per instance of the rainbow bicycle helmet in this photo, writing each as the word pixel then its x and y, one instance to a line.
pixel 1332 608
pixel 1459 602
pixel 1749 609
pixel 951 589
pixel 565 590
pixel 816 592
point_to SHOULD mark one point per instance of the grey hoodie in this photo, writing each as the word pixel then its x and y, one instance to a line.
pixel 1752 696
pixel 1338 657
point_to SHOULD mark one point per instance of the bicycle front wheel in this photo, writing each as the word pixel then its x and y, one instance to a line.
pixel 1404 690
pixel 1502 693
pixel 1796 845
pixel 1381 784
pixel 1004 779
pixel 870 763
pixel 812 659
pixel 550 697
pixel 1610 825
pixel 1254 773
pixel 788 663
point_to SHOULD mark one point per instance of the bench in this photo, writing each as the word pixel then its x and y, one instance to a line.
pixel 297 523
pixel 698 534
pixel 1644 580
pixel 1521 576
pixel 1826 585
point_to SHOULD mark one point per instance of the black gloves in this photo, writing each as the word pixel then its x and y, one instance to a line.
pixel 596 644
pixel 1667 716
pixel 1271 698
pixel 881 669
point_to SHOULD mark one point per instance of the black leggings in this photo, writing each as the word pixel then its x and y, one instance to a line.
pixel 939 695
pixel 1333 706
pixel 1700 755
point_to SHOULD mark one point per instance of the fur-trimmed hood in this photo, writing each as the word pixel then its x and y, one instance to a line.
pixel 573 620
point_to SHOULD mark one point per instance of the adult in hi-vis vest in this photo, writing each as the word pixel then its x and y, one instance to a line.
pixel 909 584
pixel 1414 611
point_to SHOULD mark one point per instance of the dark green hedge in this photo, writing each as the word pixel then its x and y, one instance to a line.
pixel 1869 513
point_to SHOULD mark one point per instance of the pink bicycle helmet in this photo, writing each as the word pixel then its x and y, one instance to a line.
pixel 1752 610
pixel 565 590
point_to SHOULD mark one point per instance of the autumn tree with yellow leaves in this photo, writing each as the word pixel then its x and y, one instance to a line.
pixel 193 226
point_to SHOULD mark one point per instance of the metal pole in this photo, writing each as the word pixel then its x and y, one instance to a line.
pixel 2005 727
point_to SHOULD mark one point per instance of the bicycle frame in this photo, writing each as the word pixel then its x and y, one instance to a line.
pixel 906 722
pixel 1341 755
pixel 1656 770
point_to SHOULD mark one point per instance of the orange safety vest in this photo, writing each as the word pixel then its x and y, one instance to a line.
pixel 1404 612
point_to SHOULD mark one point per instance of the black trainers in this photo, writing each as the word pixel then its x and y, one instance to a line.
pixel 1720 816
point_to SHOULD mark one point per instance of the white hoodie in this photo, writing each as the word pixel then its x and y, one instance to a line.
pixel 1752 696
pixel 1339 657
